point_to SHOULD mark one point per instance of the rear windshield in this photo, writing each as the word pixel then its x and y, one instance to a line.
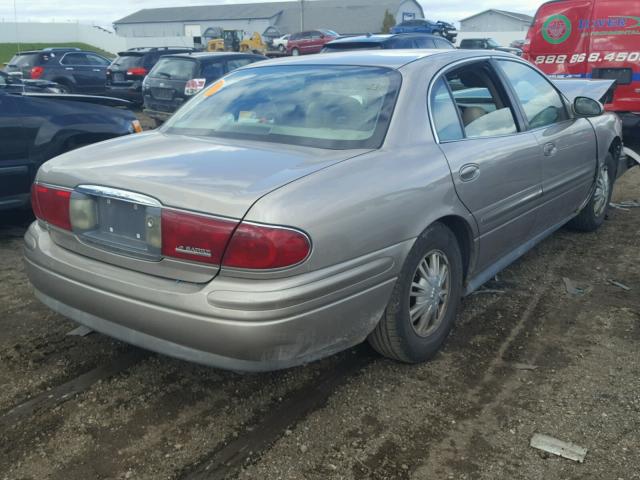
pixel 344 46
pixel 334 107
pixel 24 60
pixel 128 60
pixel 174 69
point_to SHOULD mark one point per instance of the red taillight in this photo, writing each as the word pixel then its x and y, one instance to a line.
pixel 51 205
pixel 260 247
pixel 195 237
pixel 194 85
pixel 137 71
pixel 36 72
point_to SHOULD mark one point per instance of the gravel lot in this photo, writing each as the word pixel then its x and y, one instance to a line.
pixel 532 358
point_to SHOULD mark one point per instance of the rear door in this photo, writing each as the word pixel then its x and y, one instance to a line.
pixel 567 145
pixel 15 172
pixel 495 163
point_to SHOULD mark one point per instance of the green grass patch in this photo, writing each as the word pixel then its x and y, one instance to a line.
pixel 8 50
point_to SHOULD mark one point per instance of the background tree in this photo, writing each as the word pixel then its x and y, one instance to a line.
pixel 388 22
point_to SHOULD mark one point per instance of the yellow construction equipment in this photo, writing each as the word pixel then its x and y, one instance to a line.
pixel 235 41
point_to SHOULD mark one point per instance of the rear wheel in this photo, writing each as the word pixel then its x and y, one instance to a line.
pixel 425 299
pixel 281 48
pixel 592 216
pixel 65 87
pixel 295 52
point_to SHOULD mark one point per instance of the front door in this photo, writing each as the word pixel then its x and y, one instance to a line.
pixel 495 165
pixel 567 145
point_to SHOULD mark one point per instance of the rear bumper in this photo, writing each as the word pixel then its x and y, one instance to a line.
pixel 231 323
pixel 131 93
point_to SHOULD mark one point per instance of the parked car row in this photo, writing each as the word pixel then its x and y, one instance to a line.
pixel 38 123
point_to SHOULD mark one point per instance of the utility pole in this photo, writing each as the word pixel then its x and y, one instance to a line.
pixel 301 15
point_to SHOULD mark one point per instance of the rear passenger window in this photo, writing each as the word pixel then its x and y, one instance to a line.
pixel 542 104
pixel 240 62
pixel 75 59
pixel 403 43
pixel 213 71
pixel 444 114
pixel 481 101
pixel 423 42
pixel 440 43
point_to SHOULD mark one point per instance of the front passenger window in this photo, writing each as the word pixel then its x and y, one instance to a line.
pixel 542 104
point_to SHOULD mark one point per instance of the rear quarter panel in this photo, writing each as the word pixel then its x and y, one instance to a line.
pixel 381 198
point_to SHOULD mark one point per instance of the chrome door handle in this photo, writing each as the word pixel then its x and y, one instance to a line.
pixel 69 68
pixel 469 172
pixel 550 149
pixel 97 70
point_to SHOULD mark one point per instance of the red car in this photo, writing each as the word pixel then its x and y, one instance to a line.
pixel 591 39
pixel 311 41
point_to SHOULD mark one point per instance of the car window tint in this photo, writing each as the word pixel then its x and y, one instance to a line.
pixel 237 63
pixel 75 59
pixel 440 43
pixel 403 43
pixel 212 71
pixel 423 42
pixel 174 68
pixel 483 106
pixel 124 62
pixel 97 60
pixel 541 102
pixel 444 114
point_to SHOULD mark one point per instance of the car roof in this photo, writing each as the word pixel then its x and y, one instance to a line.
pixel 210 55
pixel 379 38
pixel 370 58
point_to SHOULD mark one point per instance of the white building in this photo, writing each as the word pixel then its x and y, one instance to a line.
pixel 496 21
pixel 270 19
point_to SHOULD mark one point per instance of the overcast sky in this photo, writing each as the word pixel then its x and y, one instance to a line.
pixel 104 12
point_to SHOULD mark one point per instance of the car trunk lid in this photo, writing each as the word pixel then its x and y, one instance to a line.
pixel 155 172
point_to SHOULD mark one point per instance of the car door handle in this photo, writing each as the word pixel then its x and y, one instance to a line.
pixel 97 70
pixel 469 172
pixel 68 68
pixel 550 149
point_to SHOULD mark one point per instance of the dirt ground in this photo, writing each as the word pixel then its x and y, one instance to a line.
pixel 530 358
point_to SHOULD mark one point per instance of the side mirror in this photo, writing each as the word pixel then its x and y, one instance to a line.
pixel 587 107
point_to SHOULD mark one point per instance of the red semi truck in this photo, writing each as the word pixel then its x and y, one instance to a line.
pixel 597 39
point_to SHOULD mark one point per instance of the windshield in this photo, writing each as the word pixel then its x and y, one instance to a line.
pixel 492 43
pixel 335 107
pixel 174 69
pixel 24 60
pixel 127 61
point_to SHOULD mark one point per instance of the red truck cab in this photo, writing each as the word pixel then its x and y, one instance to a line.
pixel 590 39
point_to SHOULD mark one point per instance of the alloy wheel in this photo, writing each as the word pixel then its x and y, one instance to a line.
pixel 601 195
pixel 429 293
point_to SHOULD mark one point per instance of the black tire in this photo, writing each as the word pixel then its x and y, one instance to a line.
pixel 65 87
pixel 281 48
pixel 395 336
pixel 295 52
pixel 593 215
